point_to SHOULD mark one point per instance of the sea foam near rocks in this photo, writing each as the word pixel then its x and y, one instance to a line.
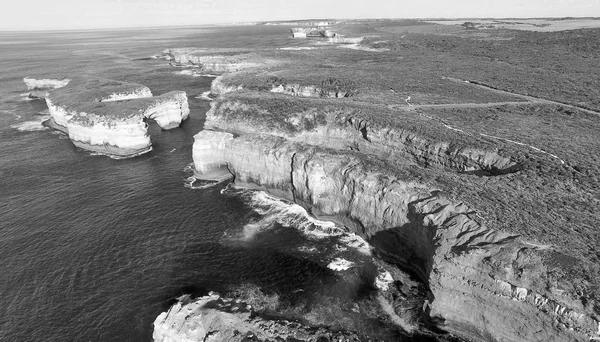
pixel 33 125
pixel 274 210
pixel 205 96
pixel 340 264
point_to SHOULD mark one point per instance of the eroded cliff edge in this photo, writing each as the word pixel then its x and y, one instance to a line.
pixel 480 218
pixel 108 116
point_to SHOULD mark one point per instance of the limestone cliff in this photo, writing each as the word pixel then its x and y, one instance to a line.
pixel 108 117
pixel 211 62
pixel 477 214
pixel 349 126
pixel 374 171
pixel 484 284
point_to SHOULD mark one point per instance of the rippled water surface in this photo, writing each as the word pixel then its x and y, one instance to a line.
pixel 93 249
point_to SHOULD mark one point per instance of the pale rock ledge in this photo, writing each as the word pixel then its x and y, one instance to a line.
pixel 109 117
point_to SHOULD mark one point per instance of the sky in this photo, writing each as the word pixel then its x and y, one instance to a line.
pixel 83 14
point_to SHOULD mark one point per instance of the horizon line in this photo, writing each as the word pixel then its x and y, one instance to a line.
pixel 261 22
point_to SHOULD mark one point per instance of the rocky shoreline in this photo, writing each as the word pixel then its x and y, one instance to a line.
pixel 108 116
pixel 391 176
pixel 479 204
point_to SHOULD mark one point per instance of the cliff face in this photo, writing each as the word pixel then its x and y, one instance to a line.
pixel 368 129
pixel 488 198
pixel 484 284
pixel 375 171
pixel 108 117
pixel 168 110
pixel 212 63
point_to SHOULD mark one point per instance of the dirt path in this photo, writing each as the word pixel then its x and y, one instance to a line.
pixel 458 105
pixel 526 100
pixel 529 99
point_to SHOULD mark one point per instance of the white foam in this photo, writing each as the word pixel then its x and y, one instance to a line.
pixel 383 281
pixel 112 156
pixel 298 48
pixel 363 48
pixel 61 135
pixel 340 264
pixel 205 96
pixel 289 214
pixel 190 183
pixel 31 126
pixel 306 249
pixel 274 210
pixel 45 83
pixel 188 72
pixel 354 241
pixel 340 248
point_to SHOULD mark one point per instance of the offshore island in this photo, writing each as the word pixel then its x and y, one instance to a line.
pixel 464 153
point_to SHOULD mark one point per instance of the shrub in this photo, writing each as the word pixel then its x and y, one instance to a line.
pixel 338 87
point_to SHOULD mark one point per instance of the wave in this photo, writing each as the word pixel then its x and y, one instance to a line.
pixel 61 135
pixel 198 184
pixel 194 183
pixel 188 72
pixel 298 48
pixel 32 126
pixel 290 214
pixel 112 156
pixel 276 211
pixel 205 96
pixel 340 264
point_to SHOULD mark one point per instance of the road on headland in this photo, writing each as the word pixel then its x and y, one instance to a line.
pixel 458 105
pixel 526 100
pixel 529 99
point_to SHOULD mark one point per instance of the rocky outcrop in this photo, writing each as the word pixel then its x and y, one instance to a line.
pixel 218 87
pixel 109 117
pixel 465 265
pixel 40 88
pixel 399 178
pixel 211 62
pixel 355 165
pixel 297 90
pixel 314 31
pixel 212 318
pixel 168 110
pixel 44 83
pixel 347 126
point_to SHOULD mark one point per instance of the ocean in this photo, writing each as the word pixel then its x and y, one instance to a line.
pixel 93 249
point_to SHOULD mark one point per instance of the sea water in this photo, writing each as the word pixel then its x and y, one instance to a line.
pixel 93 249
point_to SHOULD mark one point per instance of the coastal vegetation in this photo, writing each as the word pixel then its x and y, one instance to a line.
pixel 465 157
